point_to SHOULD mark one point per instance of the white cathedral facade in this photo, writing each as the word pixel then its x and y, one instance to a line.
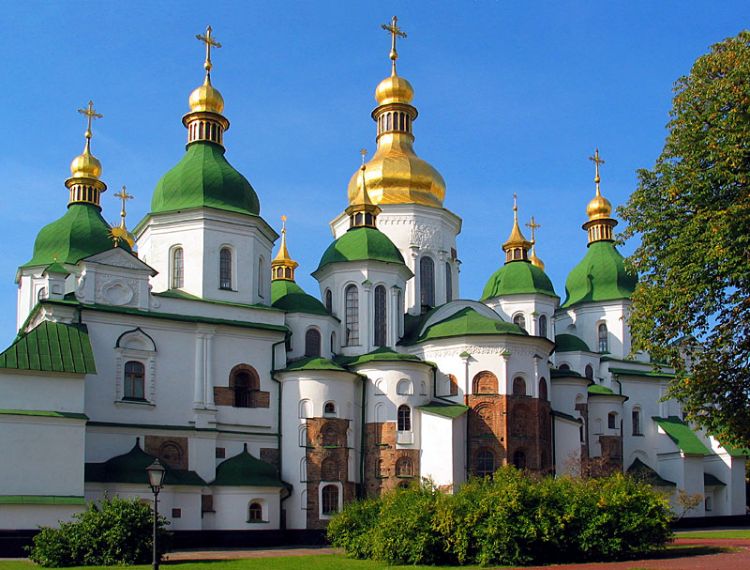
pixel 188 340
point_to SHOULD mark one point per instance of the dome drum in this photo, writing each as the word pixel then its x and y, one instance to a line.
pixel 394 118
pixel 205 126
pixel 85 190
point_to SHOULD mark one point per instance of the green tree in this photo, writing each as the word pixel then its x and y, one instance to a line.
pixel 692 213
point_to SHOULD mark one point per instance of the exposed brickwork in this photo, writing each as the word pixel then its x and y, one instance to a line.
pixel 270 455
pixel 224 396
pixel 611 452
pixel 487 428
pixel 327 461
pixel 530 439
pixel 172 451
pixel 385 466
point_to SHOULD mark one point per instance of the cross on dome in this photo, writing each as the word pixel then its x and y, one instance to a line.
pixel 210 42
pixel 91 114
pixel 533 226
pixel 395 32
pixel 597 161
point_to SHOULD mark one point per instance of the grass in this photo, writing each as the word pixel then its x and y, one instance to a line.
pixel 708 534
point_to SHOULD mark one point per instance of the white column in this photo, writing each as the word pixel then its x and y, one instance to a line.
pixel 208 378
pixel 200 370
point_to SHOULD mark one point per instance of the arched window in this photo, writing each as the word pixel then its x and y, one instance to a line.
pixel 330 502
pixel 352 315
pixel 245 382
pixel 452 385
pixel 303 469
pixel 404 387
pixel 305 409
pixel 543 389
pixel 135 381
pixel 484 463
pixel 380 387
pixel 404 418
pixel 303 436
pixel 380 316
pixel 519 459
pixel 637 421
pixel 333 342
pixel 171 453
pixel 404 467
pixel 484 382
pixel 427 281
pixel 261 277
pixel 519 386
pixel 225 268
pixel 329 409
pixel 589 372
pixel 603 338
pixel 329 436
pixel 178 268
pixel 520 320
pixel 612 420
pixel 312 342
pixel 543 326
pixel 255 512
pixel 329 301
pixel 448 283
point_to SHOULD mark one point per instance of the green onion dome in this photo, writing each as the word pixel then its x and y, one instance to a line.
pixel 204 179
pixel 244 470
pixel 468 322
pixel 80 233
pixel 290 297
pixel 600 276
pixel 518 278
pixel 570 343
pixel 361 243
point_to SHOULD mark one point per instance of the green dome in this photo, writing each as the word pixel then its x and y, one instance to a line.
pixel 600 276
pixel 289 297
pixel 467 322
pixel 517 278
pixel 244 470
pixel 570 343
pixel 204 179
pixel 361 244
pixel 80 233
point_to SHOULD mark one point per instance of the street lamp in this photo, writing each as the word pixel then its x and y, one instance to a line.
pixel 155 473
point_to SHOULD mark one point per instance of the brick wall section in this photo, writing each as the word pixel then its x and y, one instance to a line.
pixel 381 457
pixel 530 432
pixel 224 396
pixel 270 455
pixel 611 452
pixel 327 460
pixel 487 427
pixel 172 451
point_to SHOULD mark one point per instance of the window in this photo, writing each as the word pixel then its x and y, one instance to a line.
pixel 603 341
pixel 329 409
pixel 225 268
pixel 333 342
pixel 404 387
pixel 329 301
pixel 312 342
pixel 484 382
pixel 589 372
pixel 543 389
pixel 330 502
pixel 135 381
pixel 519 459
pixel 520 320
pixel 305 409
pixel 255 513
pixel 637 421
pixel 452 385
pixel 519 386
pixel 178 268
pixel 404 418
pixel 261 277
pixel 380 316
pixel 427 282
pixel 303 436
pixel 448 283
pixel 612 420
pixel 543 326
pixel 709 504
pixel 404 467
pixel 303 469
pixel 352 315
pixel 484 463
pixel 380 386
pixel 246 384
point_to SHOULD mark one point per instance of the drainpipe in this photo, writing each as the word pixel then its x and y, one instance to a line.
pixel 362 490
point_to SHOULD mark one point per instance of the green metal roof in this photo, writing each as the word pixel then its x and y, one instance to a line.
pixel 683 435
pixel 599 390
pixel 80 233
pixel 565 416
pixel 468 322
pixel 179 294
pixel 313 363
pixel 641 373
pixel 45 414
pixel 41 500
pixel 131 468
pixel 204 179
pixel 600 276
pixel 570 343
pixel 444 409
pixel 640 470
pixel 361 244
pixel 290 297
pixel 382 354
pixel 736 451
pixel 244 470
pixel 517 278
pixel 557 373
pixel 51 347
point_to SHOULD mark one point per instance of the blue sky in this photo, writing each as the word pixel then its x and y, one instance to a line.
pixel 512 97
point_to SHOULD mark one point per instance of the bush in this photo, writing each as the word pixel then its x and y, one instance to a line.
pixel 114 531
pixel 512 519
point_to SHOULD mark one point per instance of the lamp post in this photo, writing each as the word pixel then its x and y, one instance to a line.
pixel 155 473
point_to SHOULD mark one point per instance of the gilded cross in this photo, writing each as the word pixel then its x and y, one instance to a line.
pixel 363 152
pixel 123 195
pixel 395 32
pixel 91 114
pixel 533 226
pixel 208 39
pixel 596 160
pixel 283 223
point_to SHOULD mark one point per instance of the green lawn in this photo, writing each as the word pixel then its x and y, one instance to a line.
pixel 731 533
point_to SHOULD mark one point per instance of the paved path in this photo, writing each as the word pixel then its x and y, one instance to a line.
pixel 738 559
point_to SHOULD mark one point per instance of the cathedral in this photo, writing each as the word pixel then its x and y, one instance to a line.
pixel 187 339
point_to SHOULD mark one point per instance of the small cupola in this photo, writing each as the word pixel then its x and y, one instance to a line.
pixel 361 211
pixel 516 247
pixel 283 266
pixel 85 169
pixel 599 210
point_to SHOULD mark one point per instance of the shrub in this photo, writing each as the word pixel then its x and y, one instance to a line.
pixel 114 531
pixel 350 530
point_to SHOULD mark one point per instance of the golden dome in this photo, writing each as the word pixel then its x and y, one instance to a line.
pixel 86 165
pixel 599 208
pixel 396 175
pixel 394 89
pixel 206 98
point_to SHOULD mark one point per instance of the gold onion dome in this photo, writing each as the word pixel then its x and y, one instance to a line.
pixel 86 165
pixel 599 207
pixel 516 247
pixel 206 99
pixel 395 174
pixel 283 266
pixel 599 210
